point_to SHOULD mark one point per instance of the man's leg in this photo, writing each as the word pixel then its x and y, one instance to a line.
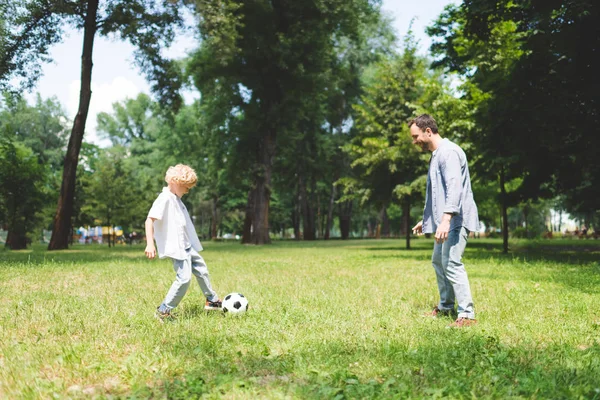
pixel 445 289
pixel 452 252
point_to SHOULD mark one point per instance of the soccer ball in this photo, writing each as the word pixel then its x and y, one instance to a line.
pixel 235 303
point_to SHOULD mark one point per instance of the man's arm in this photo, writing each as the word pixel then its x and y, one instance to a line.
pixel 150 248
pixel 453 188
pixel 450 170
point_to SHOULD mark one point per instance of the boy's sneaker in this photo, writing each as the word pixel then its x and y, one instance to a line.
pixel 163 316
pixel 213 305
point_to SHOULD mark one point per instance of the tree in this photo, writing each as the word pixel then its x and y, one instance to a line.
pixel 310 160
pixel 41 127
pixel 532 83
pixel 116 194
pixel 21 191
pixel 33 26
pixel 196 136
pixel 272 58
pixel 385 162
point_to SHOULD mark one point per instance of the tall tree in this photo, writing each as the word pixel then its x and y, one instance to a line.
pixel 533 83
pixel 33 26
pixel 311 160
pixel 43 128
pixel 21 191
pixel 385 162
pixel 272 55
pixel 116 193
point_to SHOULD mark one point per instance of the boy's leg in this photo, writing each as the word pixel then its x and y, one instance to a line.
pixel 452 252
pixel 200 271
pixel 445 289
pixel 183 270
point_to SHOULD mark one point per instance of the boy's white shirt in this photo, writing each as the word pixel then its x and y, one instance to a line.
pixel 172 223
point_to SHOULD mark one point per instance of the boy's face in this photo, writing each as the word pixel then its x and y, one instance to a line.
pixel 179 189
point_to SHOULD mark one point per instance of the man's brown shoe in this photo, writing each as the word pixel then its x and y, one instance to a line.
pixel 436 312
pixel 462 322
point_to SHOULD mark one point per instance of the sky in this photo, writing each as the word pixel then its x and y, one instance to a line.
pixel 115 77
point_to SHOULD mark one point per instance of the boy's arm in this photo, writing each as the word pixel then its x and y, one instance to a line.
pixel 150 248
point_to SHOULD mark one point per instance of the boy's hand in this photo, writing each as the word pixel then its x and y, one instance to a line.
pixel 150 251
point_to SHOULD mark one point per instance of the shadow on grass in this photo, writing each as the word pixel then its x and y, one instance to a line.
pixel 452 364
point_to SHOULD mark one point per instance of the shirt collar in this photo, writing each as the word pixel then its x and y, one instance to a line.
pixel 166 190
pixel 443 143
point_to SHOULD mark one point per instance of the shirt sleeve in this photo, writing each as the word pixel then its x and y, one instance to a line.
pixel 450 169
pixel 157 211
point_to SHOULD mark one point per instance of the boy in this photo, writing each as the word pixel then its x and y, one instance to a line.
pixel 170 224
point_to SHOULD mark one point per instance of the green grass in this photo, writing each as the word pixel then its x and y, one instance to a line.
pixel 328 320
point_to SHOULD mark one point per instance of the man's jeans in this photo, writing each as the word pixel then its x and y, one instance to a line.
pixel 193 264
pixel 453 283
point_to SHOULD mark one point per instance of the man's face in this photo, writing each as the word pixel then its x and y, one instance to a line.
pixel 420 138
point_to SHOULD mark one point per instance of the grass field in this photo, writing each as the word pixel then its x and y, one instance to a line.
pixel 328 320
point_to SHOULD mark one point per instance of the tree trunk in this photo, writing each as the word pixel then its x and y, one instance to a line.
pixel 260 221
pixel 109 229
pixel 16 240
pixel 503 201
pixel 385 222
pixel 214 224
pixel 319 225
pixel 296 221
pixel 345 216
pixel 308 214
pixel 261 193
pixel 247 230
pixel 526 217
pixel 560 221
pixel 407 221
pixel 330 213
pixel 62 220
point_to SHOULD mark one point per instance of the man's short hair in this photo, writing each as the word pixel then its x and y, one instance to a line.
pixel 182 174
pixel 423 122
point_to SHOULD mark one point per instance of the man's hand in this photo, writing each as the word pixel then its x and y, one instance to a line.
pixel 441 234
pixel 150 251
pixel 418 228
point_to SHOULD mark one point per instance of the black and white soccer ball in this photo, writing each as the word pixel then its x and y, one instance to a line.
pixel 235 303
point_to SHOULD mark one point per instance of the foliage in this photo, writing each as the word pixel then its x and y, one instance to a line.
pixel 22 193
pixel 531 79
pixel 381 149
pixel 36 25
pixel 116 196
pixel 386 166
pixel 40 127
pixel 272 70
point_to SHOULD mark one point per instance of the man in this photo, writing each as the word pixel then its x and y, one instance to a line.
pixel 450 212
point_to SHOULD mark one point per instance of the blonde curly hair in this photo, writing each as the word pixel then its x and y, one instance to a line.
pixel 182 174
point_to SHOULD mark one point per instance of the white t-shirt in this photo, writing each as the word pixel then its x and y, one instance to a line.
pixel 173 228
